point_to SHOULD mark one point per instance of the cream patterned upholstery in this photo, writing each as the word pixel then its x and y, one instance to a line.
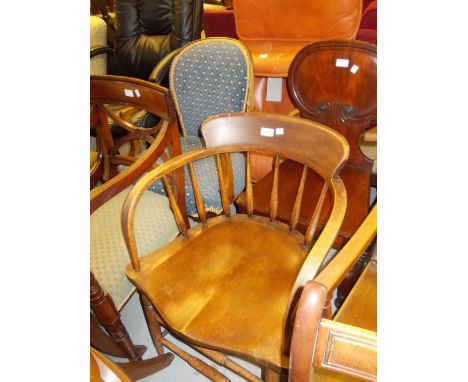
pixel 209 77
pixel 154 227
pixel 98 37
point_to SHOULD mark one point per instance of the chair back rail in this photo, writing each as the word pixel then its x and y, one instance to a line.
pixel 124 91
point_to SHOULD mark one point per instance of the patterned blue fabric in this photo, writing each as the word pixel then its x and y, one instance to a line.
pixel 208 78
pixel 207 177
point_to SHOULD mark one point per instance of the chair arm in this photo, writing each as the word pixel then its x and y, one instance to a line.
pixel 101 49
pixel 332 275
pixel 160 73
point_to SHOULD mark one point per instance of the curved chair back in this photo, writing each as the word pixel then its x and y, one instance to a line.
pixel 335 83
pixel 148 30
pixel 108 91
pixel 209 77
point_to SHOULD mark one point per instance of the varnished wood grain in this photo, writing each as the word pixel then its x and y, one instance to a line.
pixel 230 284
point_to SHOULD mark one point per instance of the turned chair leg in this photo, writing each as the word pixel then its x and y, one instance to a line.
pixel 102 341
pixel 153 323
pixel 108 316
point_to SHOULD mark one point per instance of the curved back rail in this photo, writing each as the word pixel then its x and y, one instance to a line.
pixel 131 92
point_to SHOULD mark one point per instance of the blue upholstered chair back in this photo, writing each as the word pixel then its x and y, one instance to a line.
pixel 209 77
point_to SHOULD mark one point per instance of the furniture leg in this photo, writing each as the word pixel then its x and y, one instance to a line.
pixel 101 341
pixel 153 323
pixel 105 311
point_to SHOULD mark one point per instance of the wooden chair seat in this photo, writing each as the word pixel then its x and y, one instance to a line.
pixel 226 281
pixel 360 307
pixel 355 182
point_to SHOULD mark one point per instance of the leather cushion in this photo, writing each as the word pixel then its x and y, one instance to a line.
pixel 268 27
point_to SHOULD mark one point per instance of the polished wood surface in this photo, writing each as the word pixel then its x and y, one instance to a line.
pixel 230 283
pixel 345 348
pixel 360 307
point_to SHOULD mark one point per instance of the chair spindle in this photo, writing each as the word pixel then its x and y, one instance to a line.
pixel 297 204
pixel 197 194
pixel 315 216
pixel 175 208
pixel 248 187
pixel 274 191
pixel 222 187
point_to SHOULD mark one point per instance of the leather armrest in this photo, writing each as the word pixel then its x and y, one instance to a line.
pixel 160 73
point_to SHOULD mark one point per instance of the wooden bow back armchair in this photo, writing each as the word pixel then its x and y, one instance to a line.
pixel 108 254
pixel 229 283
pixel 343 348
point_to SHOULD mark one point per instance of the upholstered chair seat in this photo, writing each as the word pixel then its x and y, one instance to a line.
pixel 155 226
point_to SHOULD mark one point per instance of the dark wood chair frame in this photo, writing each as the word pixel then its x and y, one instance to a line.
pixel 114 90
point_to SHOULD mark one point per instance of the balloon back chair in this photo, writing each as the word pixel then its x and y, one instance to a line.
pixel 334 83
pixel 156 223
pixel 343 348
pixel 230 283
pixel 209 77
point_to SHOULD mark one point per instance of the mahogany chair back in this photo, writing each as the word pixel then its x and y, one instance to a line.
pixel 335 83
